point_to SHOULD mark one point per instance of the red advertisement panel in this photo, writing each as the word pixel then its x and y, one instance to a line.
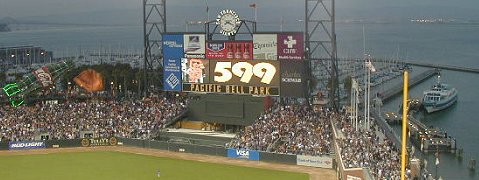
pixel 290 46
pixel 229 50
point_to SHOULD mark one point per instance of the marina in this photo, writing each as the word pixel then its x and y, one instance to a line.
pixel 448 135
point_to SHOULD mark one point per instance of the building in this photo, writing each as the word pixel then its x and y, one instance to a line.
pixel 23 55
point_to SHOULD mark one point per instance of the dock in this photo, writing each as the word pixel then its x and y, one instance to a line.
pixel 432 65
pixel 397 89
pixel 388 131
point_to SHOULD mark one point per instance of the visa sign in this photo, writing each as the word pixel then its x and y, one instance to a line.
pixel 243 154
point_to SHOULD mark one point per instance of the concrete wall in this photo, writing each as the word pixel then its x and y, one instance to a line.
pixel 225 109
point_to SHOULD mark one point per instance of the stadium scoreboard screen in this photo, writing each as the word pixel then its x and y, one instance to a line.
pixel 231 76
pixel 258 67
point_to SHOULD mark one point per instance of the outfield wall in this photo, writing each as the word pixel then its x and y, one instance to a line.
pixel 326 161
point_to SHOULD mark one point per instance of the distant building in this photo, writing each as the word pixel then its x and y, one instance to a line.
pixel 23 55
pixel 4 28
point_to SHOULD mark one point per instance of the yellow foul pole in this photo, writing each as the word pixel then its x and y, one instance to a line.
pixel 404 126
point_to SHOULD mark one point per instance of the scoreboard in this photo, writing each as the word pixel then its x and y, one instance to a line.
pixel 192 64
pixel 231 77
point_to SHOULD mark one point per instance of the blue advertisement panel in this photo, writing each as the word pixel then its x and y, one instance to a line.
pixel 172 53
pixel 26 145
pixel 243 154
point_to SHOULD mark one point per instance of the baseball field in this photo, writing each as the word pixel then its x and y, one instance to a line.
pixel 116 163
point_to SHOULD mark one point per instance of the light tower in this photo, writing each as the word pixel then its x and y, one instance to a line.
pixel 154 26
pixel 320 48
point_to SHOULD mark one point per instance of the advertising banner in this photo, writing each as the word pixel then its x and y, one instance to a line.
pixel 229 50
pixel 26 145
pixel 172 74
pixel 243 154
pixel 172 54
pixel 315 161
pixel 88 142
pixel 293 78
pixel 265 47
pixel 173 45
pixel 194 45
pixel 44 77
pixel 290 46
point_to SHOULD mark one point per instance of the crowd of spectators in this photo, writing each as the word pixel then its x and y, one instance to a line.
pixel 293 129
pixel 366 149
pixel 105 118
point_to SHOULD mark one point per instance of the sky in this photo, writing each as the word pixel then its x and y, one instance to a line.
pixel 41 8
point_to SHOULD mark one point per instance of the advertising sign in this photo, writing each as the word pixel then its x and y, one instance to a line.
pixel 195 70
pixel 229 50
pixel 172 74
pixel 243 154
pixel 293 78
pixel 241 77
pixel 290 46
pixel 172 54
pixel 26 145
pixel 44 77
pixel 99 142
pixel 194 45
pixel 173 45
pixel 315 161
pixel 265 47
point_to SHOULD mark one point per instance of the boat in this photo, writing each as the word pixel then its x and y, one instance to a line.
pixel 439 97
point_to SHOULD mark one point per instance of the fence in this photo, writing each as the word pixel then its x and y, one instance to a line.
pixel 325 161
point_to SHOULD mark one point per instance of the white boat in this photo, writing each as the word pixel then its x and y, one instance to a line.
pixel 439 97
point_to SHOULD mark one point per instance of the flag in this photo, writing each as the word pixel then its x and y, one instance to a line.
pixel 370 66
pixel 252 5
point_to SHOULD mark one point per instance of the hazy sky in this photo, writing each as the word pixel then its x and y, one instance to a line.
pixel 27 8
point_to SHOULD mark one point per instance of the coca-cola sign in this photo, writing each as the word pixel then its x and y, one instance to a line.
pixel 44 77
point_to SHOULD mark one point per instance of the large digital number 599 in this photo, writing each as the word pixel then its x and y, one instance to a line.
pixel 245 71
pixel 222 68
pixel 265 71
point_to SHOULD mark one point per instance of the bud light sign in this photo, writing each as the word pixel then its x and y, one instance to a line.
pixel 26 145
pixel 243 154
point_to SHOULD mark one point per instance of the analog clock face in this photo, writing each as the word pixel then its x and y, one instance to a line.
pixel 228 21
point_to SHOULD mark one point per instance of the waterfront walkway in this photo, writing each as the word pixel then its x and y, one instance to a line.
pixel 385 95
pixel 431 65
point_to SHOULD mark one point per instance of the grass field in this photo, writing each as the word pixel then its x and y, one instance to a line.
pixel 106 165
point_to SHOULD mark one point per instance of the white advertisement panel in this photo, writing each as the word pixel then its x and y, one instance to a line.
pixel 315 161
pixel 194 45
pixel 265 47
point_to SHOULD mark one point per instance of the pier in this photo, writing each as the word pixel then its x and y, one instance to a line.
pixel 396 89
pixel 438 66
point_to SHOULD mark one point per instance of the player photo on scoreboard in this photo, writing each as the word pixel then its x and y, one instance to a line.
pixel 195 70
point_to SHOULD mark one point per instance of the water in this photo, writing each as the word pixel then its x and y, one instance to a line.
pixel 460 121
pixel 435 43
